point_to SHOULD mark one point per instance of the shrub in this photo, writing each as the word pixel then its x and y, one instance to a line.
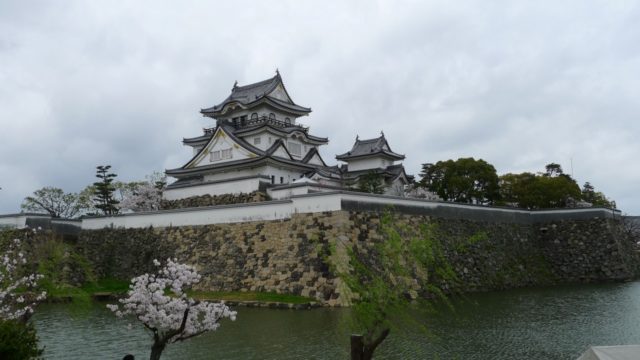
pixel 18 341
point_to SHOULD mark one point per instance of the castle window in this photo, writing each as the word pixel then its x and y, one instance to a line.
pixel 273 179
pixel 287 121
pixel 256 141
pixel 226 154
pixel 254 116
pixel 281 180
pixel 272 116
pixel 221 155
pixel 295 148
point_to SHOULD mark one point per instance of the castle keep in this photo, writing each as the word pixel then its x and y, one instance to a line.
pixel 259 144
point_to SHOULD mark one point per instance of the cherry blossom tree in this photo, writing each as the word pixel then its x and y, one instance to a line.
pixel 142 195
pixel 160 303
pixel 15 305
pixel 145 197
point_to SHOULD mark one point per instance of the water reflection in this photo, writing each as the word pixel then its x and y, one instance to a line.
pixel 551 323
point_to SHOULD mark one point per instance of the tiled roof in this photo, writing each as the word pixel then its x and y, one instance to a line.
pixel 197 140
pixel 256 92
pixel 369 147
pixel 284 130
pixel 310 154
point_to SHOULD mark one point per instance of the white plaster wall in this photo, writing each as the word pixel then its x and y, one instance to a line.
pixel 14 222
pixel 281 209
pixel 287 193
pixel 264 140
pixel 271 210
pixel 371 163
pixel 231 174
pixel 229 187
pixel 328 201
pixel 287 175
pixel 204 216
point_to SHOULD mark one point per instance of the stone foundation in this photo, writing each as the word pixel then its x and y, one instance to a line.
pixel 299 255
pixel 210 200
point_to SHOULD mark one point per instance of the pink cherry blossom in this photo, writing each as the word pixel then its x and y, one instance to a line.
pixel 12 304
pixel 160 303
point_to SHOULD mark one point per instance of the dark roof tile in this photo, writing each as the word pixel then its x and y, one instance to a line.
pixel 362 148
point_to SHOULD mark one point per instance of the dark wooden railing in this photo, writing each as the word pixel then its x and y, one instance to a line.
pixel 263 120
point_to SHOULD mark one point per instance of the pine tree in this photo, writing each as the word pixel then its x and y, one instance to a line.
pixel 104 189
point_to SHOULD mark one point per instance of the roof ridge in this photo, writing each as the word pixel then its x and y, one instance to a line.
pixel 259 83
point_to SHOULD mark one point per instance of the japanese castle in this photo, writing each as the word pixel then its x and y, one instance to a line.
pixel 258 144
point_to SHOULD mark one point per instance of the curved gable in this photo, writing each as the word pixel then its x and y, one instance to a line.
pixel 280 93
pixel 221 148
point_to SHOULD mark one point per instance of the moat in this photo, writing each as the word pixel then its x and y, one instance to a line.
pixel 550 323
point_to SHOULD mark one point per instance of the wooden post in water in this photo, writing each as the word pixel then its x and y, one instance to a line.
pixel 357 347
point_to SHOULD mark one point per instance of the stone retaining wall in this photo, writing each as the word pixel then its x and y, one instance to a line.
pixel 210 200
pixel 299 255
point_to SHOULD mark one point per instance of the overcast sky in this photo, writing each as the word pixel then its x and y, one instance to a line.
pixel 519 85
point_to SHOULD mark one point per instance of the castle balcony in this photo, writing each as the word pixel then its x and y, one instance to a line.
pixel 242 123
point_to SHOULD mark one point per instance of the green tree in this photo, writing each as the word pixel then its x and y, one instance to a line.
pixel 555 192
pixel 551 189
pixel 596 198
pixel 465 180
pixel 53 201
pixel 515 189
pixel 104 199
pixel 553 170
pixel 371 183
pixel 18 341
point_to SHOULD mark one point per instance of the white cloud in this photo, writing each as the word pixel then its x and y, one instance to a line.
pixel 518 84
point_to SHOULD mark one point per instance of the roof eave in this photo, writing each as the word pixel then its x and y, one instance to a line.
pixel 345 157
pixel 282 106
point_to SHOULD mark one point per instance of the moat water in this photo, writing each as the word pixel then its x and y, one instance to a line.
pixel 542 323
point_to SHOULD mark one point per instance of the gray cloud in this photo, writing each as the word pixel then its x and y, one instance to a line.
pixel 518 84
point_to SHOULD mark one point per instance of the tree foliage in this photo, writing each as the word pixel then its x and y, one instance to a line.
pixel 18 341
pixel 465 180
pixel 18 297
pixel 551 189
pixel 596 198
pixel 371 183
pixel 104 189
pixel 14 281
pixel 143 195
pixel 475 181
pixel 55 202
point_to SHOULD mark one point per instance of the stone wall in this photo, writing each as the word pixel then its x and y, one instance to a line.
pixel 300 255
pixel 210 200
pixel 277 256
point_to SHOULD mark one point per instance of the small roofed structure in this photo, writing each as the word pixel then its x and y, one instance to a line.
pixel 621 352
pixel 374 156
pixel 368 149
